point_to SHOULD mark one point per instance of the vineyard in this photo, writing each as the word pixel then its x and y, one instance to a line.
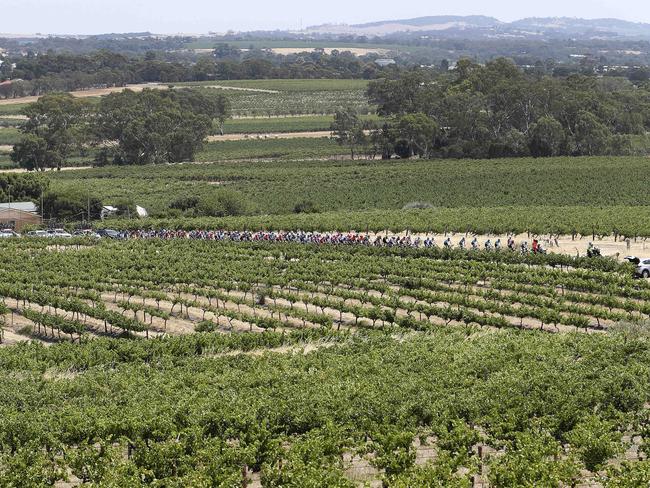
pixel 250 103
pixel 545 195
pixel 586 222
pixel 139 289
pixel 319 366
pixel 255 149
pixel 280 97
pixel 282 124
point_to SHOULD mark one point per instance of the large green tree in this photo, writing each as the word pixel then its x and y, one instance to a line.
pixel 347 128
pixel 487 111
pixel 420 133
pixel 148 128
pixel 56 127
pixel 591 137
pixel 70 205
pixel 546 137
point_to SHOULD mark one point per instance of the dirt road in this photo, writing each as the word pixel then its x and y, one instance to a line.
pixel 98 92
pixel 21 170
pixel 554 244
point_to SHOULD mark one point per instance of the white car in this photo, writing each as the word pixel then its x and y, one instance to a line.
pixel 4 233
pixel 642 266
pixel 58 233
pixel 37 233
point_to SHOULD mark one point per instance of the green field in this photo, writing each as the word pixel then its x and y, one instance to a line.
pixel 9 136
pixel 5 161
pixel 276 187
pixel 253 149
pixel 12 109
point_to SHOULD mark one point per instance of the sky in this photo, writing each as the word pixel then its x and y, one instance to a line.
pixel 202 16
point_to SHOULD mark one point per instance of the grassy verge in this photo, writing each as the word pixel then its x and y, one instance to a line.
pixel 9 136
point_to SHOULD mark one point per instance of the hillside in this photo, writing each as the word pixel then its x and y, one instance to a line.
pixel 481 26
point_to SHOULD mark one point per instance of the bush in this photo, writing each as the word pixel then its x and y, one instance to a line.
pixel 224 204
pixel 185 203
pixel 206 326
pixel 70 205
pixel 306 206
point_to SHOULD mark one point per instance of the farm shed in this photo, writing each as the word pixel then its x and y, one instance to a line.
pixel 13 218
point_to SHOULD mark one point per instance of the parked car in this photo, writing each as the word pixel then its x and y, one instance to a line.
pixel 4 233
pixel 59 233
pixel 86 233
pixel 37 233
pixel 642 266
pixel 109 234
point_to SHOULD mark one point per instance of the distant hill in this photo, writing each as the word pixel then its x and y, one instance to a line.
pixel 583 27
pixel 477 26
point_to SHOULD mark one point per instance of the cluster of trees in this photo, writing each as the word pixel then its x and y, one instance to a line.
pixel 150 127
pixel 128 43
pixel 70 205
pixel 61 205
pixel 17 187
pixel 497 110
pixel 36 75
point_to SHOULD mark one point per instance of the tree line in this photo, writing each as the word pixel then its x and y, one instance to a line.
pixel 150 127
pixel 34 75
pixel 497 110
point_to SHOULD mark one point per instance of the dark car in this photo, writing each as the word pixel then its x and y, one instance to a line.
pixel 109 234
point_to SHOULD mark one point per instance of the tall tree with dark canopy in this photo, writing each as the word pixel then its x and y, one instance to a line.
pixel 150 127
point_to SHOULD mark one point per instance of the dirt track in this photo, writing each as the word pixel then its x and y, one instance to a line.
pixel 562 245
pixel 88 93
pixel 22 170
pixel 98 92
pixel 239 88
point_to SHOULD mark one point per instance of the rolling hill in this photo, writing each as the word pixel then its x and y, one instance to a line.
pixel 480 26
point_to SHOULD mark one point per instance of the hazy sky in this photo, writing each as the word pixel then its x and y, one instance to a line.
pixel 199 16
